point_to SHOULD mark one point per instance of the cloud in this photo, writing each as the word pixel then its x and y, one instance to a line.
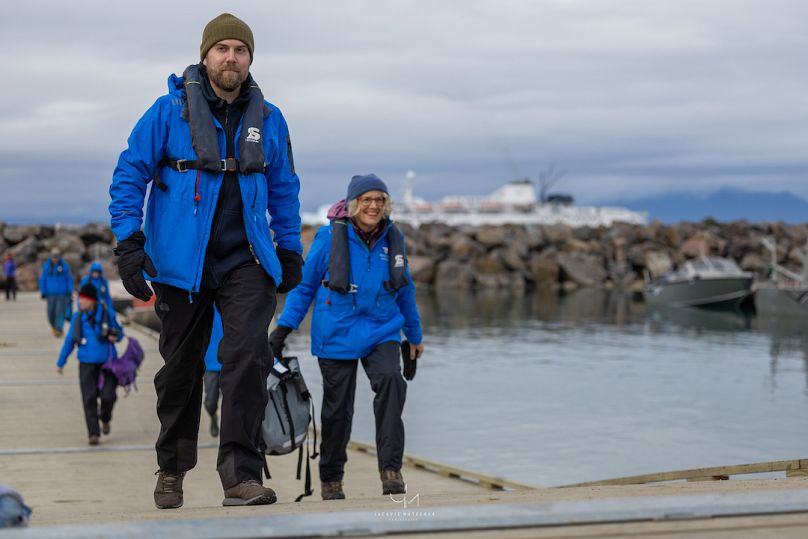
pixel 642 97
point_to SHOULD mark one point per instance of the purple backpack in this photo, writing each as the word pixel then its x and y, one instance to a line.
pixel 125 367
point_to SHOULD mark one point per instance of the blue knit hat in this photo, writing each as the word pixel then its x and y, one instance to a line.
pixel 363 183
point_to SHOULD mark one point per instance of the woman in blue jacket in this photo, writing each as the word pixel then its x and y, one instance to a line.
pixel 93 329
pixel 364 297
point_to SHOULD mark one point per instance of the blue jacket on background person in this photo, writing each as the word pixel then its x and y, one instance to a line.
pixel 56 279
pixel 212 355
pixel 348 326
pixel 91 349
pixel 179 217
pixel 101 284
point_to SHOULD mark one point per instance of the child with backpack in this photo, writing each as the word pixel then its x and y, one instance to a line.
pixel 94 330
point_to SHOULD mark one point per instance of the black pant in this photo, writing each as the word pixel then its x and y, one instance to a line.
pixel 88 381
pixel 246 302
pixel 11 288
pixel 383 368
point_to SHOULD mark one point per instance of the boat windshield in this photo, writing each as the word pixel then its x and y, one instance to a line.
pixel 709 264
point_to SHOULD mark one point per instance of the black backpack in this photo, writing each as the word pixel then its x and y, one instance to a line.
pixel 289 411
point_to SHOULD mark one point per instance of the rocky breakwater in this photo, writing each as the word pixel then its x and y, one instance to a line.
pixel 80 246
pixel 562 257
pixel 467 257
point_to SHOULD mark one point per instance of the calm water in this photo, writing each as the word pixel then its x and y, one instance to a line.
pixel 553 390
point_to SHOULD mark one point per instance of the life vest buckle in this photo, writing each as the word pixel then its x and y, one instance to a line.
pixel 180 165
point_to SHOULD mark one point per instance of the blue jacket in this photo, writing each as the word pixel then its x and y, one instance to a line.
pixel 100 284
pixel 9 268
pixel 178 226
pixel 91 349
pixel 56 279
pixel 212 355
pixel 349 326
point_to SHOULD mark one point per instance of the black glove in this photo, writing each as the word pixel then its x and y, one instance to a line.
pixel 291 264
pixel 409 364
pixel 132 261
pixel 277 340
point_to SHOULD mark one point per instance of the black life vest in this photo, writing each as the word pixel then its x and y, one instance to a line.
pixel 203 132
pixel 339 260
pixel 78 331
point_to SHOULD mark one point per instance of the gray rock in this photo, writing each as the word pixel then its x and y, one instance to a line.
pixel 66 242
pixel 513 258
pixel 76 263
pixel 557 235
pixel 452 274
pixel 754 262
pixel 464 248
pixel 28 277
pixel 543 269
pixel 491 236
pixel 585 269
pixel 534 237
pixel 27 250
pixel 95 233
pixel 16 234
pixel 657 263
pixel 422 269
pixel 100 251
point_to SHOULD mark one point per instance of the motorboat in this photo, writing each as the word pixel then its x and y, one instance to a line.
pixel 785 293
pixel 708 281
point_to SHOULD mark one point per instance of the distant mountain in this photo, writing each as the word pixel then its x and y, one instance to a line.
pixel 723 205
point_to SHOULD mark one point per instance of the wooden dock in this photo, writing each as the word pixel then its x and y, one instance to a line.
pixel 77 491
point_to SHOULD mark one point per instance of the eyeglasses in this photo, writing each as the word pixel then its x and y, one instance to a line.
pixel 367 201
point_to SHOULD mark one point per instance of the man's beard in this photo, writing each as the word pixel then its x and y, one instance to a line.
pixel 226 80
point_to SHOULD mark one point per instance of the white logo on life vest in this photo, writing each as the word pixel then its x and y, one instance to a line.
pixel 399 261
pixel 384 249
pixel 253 134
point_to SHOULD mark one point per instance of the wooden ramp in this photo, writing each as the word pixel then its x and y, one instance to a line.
pixel 106 491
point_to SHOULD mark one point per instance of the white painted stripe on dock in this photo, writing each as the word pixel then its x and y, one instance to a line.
pixel 88 449
pixel 38 382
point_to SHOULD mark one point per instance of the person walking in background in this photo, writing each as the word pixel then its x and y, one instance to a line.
pixel 212 370
pixel 221 158
pixel 357 276
pixel 95 276
pixel 10 271
pixel 93 329
pixel 56 287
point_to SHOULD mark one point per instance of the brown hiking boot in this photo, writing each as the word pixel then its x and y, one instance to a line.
pixel 249 493
pixel 392 482
pixel 93 439
pixel 332 490
pixel 168 492
pixel 105 428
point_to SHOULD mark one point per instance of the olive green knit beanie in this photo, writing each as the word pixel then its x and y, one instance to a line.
pixel 225 26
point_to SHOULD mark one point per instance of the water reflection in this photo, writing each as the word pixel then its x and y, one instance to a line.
pixel 788 341
pixel 591 384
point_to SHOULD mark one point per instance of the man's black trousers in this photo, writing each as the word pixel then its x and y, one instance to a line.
pixel 383 368
pixel 246 302
pixel 89 374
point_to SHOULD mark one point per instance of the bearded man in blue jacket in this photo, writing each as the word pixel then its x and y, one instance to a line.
pixel 218 157
pixel 356 276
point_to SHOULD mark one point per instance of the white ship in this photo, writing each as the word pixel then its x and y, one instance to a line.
pixel 514 203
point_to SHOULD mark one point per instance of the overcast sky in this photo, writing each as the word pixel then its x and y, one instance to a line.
pixel 630 97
